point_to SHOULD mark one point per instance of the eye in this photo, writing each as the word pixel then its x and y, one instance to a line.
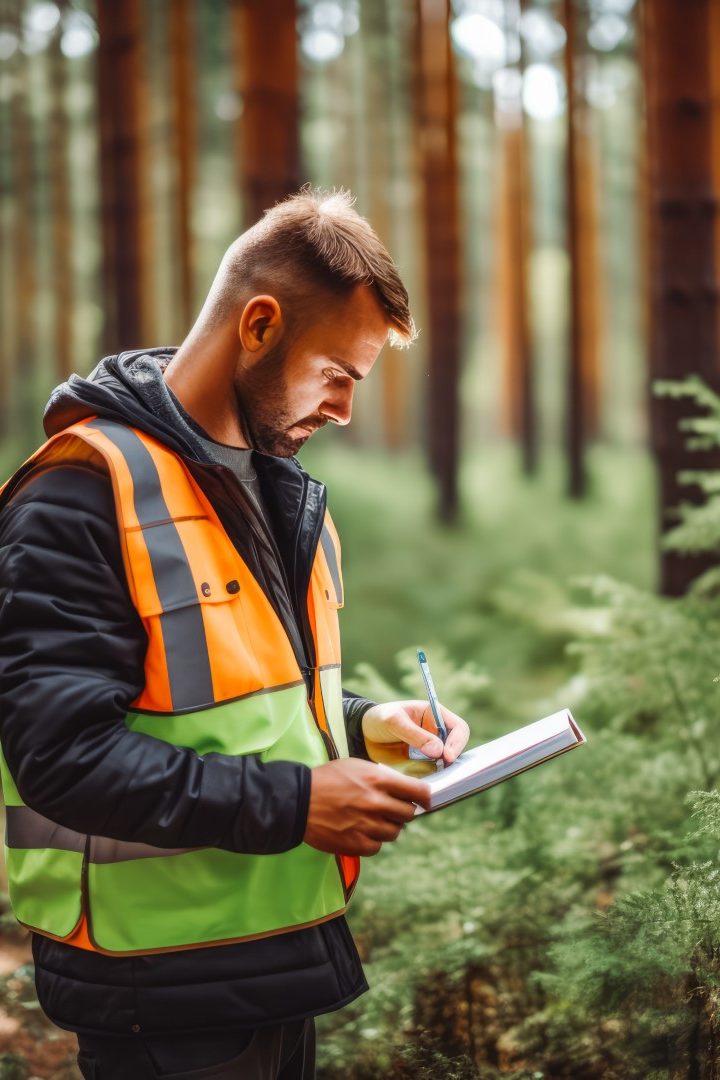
pixel 330 375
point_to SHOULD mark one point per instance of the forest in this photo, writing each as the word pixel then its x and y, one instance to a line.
pixel 531 493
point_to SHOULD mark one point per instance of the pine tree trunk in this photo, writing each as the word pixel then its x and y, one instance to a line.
pixel 591 292
pixel 575 418
pixel 375 28
pixel 60 215
pixel 265 49
pixel 183 79
pixel 7 276
pixel 683 258
pixel 436 97
pixel 127 241
pixel 513 243
pixel 24 218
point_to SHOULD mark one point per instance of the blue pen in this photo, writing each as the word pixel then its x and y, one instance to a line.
pixel 434 704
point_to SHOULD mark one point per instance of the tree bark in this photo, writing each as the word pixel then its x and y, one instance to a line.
pixel 436 98
pixel 575 415
pixel 183 78
pixel 512 283
pixel 590 280
pixel 60 213
pixel 125 209
pixel 375 27
pixel 268 152
pixel 7 293
pixel 22 375
pixel 683 240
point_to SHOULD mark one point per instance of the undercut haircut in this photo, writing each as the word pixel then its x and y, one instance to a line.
pixel 307 249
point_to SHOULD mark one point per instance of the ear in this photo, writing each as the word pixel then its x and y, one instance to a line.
pixel 260 323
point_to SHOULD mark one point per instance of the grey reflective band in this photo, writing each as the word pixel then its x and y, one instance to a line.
pixel 331 559
pixel 25 828
pixel 105 850
pixel 183 632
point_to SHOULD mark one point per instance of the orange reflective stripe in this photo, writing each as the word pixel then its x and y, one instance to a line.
pixel 181 625
pixel 350 867
pixel 230 597
pixel 80 937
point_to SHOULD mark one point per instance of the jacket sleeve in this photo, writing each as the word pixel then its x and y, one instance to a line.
pixel 72 650
pixel 354 708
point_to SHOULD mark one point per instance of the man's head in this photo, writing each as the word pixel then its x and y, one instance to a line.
pixel 300 308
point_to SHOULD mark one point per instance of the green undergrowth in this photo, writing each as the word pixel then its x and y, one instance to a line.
pixel 566 923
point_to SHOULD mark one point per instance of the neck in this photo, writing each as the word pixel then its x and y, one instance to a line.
pixel 200 376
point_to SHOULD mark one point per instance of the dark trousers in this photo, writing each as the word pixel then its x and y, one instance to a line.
pixel 280 1052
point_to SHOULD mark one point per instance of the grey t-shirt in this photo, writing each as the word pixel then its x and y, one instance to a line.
pixel 235 458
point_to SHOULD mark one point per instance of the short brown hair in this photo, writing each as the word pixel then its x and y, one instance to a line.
pixel 313 240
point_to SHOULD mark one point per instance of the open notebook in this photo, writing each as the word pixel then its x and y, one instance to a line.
pixel 482 766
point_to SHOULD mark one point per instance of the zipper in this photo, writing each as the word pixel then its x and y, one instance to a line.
pixel 302 584
pixel 84 890
pixel 307 662
pixel 330 748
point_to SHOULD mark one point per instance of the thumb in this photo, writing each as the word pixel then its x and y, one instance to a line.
pixel 414 735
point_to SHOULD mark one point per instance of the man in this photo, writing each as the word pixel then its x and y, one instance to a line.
pixel 183 821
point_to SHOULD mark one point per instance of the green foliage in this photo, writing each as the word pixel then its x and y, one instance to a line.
pixel 13 1067
pixel 566 923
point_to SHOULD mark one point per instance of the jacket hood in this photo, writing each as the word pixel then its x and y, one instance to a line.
pixel 128 388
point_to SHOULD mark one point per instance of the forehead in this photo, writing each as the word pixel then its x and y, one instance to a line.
pixel 353 329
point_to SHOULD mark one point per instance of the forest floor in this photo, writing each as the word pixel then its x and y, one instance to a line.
pixel 30 1046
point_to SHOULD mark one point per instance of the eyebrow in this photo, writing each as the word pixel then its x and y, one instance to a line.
pixel 347 367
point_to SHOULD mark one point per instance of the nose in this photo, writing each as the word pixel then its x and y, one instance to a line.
pixel 338 407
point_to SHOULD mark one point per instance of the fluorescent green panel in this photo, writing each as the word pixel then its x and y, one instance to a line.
pixel 45 888
pixel 330 681
pixel 276 724
pixel 209 895
pixel 10 792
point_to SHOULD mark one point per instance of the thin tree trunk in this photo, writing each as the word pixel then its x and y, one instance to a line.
pixel 61 219
pixel 512 284
pixel 183 76
pixel 25 180
pixel 7 212
pixel 514 245
pixel 575 425
pixel 127 240
pixel 436 97
pixel 379 102
pixel 265 50
pixel 683 259
pixel 591 293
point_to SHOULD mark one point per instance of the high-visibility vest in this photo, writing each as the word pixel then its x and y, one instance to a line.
pixel 220 677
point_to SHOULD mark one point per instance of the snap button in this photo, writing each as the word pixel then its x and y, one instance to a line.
pixel 135 1028
pixel 233 586
pixel 205 589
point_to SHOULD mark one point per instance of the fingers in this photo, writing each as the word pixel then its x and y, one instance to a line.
pixel 458 735
pixel 396 810
pixel 425 739
pixel 405 788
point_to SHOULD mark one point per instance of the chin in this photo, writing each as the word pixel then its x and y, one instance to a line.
pixel 285 448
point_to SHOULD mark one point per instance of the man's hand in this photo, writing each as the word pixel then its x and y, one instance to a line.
pixel 356 806
pixel 412 722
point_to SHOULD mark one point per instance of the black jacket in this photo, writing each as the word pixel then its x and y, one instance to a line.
pixel 71 661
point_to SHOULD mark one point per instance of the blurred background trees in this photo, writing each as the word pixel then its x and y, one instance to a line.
pixel 496 146
pixel 511 494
